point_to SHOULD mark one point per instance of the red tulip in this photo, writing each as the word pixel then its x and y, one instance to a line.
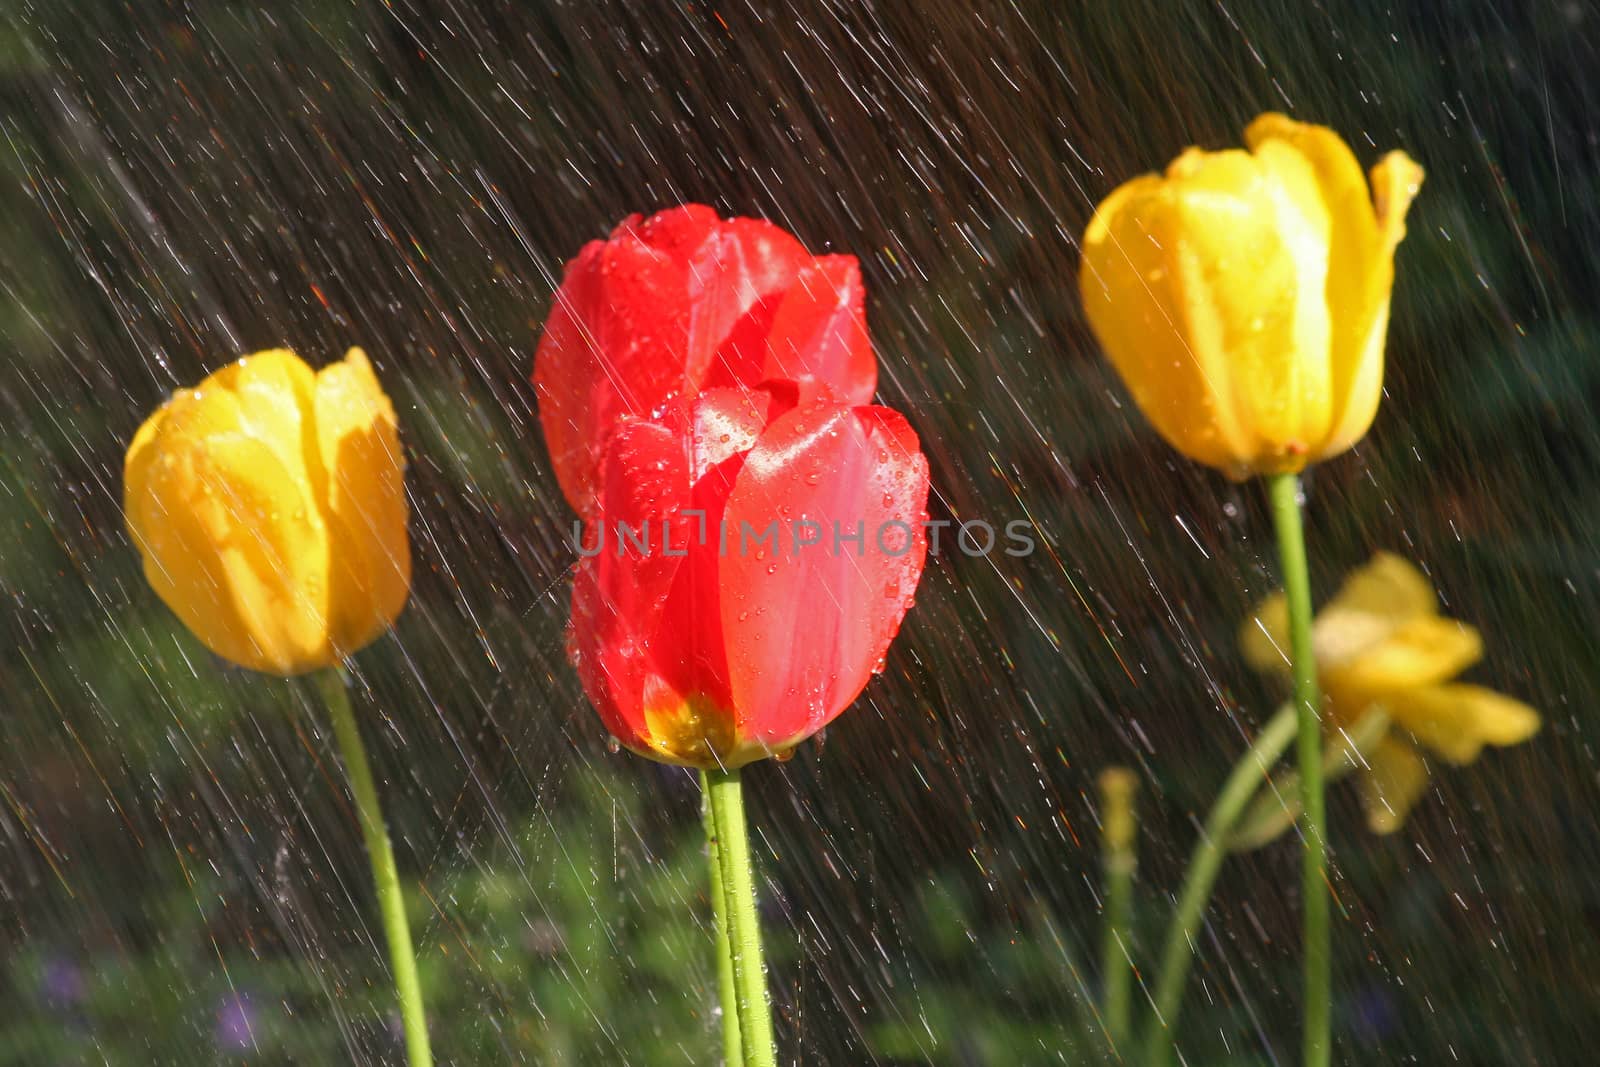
pixel 742 646
pixel 684 301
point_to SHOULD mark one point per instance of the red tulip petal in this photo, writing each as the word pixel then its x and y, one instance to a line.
pixel 737 280
pixel 805 627
pixel 688 647
pixel 727 422
pixel 612 345
pixel 637 320
pixel 814 332
pixel 768 256
pixel 619 593
pixel 677 232
pixel 647 632
pixel 820 332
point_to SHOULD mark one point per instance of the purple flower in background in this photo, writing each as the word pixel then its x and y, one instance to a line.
pixel 1372 1015
pixel 236 1023
pixel 61 982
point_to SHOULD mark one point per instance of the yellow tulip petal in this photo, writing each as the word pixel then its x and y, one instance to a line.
pixel 1264 638
pixel 1358 279
pixel 273 390
pixel 1130 292
pixel 1360 345
pixel 1456 721
pixel 1395 779
pixel 1396 180
pixel 1343 190
pixel 1304 224
pixel 359 447
pixel 230 545
pixel 1422 652
pixel 1366 228
pixel 1239 261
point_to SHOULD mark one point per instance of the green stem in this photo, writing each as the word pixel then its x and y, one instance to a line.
pixel 743 948
pixel 386 878
pixel 1284 490
pixel 1119 852
pixel 1178 951
pixel 731 1045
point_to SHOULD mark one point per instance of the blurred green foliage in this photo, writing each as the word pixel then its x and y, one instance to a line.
pixel 598 953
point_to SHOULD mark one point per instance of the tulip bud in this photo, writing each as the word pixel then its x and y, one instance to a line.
pixel 1244 296
pixel 1118 820
pixel 269 507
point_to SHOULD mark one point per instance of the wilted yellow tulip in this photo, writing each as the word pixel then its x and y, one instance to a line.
pixel 1381 642
pixel 269 506
pixel 1244 296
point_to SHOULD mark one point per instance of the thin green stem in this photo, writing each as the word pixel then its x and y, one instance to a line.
pixel 726 799
pixel 386 878
pixel 1178 952
pixel 731 1045
pixel 1284 490
pixel 1120 857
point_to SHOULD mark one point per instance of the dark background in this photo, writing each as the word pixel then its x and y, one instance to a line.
pixel 181 876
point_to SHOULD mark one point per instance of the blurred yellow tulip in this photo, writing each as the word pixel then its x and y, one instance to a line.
pixel 269 507
pixel 1244 296
pixel 1381 642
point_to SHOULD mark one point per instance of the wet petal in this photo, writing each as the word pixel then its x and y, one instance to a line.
pixel 1304 226
pixel 1456 721
pixel 1243 247
pixel 816 333
pixel 724 425
pixel 613 345
pixel 230 541
pixel 1132 294
pixel 1358 279
pixel 1393 783
pixel 806 624
pixel 359 446
pixel 1424 651
pixel 620 591
pixel 1374 602
pixel 274 393
pixel 737 280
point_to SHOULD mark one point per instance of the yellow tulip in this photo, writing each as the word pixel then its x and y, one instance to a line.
pixel 1244 296
pixel 1381 642
pixel 269 507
